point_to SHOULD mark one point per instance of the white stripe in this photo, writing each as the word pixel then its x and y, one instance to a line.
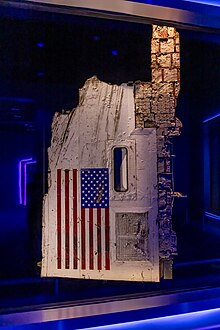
pixel 71 217
pixel 103 237
pixel 87 237
pixel 79 223
pixel 62 219
pixel 95 238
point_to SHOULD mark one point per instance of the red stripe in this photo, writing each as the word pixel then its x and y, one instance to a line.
pixel 107 240
pixel 67 220
pixel 83 239
pixel 75 260
pixel 99 239
pixel 59 219
pixel 91 260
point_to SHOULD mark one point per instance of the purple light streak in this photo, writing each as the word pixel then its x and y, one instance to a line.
pixel 22 179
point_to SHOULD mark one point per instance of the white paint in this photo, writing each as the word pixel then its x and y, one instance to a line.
pixel 85 138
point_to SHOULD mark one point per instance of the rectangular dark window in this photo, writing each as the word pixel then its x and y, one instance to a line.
pixel 120 156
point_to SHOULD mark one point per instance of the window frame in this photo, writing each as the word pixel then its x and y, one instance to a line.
pixel 124 168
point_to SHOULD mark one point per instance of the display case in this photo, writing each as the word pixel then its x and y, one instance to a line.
pixel 134 97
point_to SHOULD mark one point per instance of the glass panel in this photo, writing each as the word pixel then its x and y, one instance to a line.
pixel 45 59
pixel 120 169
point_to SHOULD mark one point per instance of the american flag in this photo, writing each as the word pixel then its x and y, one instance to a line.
pixel 83 235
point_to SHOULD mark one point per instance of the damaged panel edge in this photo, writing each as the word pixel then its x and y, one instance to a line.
pixel 90 228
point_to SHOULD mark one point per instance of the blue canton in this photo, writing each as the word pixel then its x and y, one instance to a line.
pixel 94 188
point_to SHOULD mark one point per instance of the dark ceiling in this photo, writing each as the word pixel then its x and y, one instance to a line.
pixel 44 52
pixel 46 57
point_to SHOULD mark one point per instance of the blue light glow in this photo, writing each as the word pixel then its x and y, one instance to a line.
pixel 20 178
pixel 212 215
pixel 40 74
pixel 194 320
pixel 211 118
pixel 177 3
pixel 15 109
pixel 40 44
pixel 206 2
pixel 96 38
pixel 196 262
pixel 114 52
pixel 16 99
